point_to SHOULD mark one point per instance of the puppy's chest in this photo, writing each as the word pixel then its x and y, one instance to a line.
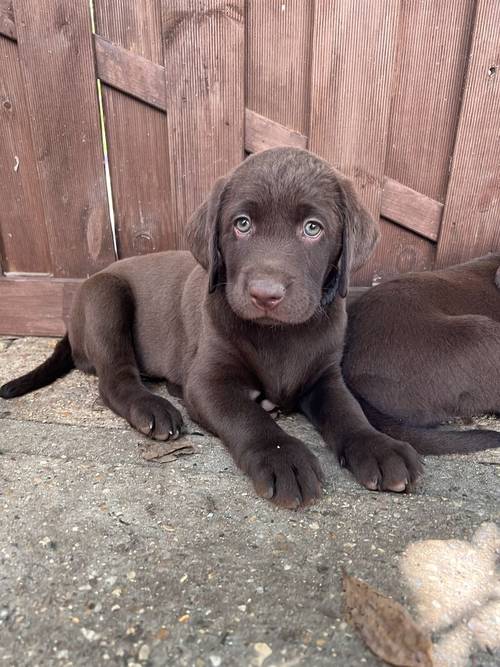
pixel 282 376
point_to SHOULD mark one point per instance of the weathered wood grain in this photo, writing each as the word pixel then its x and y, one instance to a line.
pixel 396 254
pixel 38 307
pixel 433 42
pixel 130 73
pixel 204 79
pixel 136 134
pixel 262 133
pixel 55 49
pixel 411 209
pixel 23 236
pixel 354 45
pixel 278 61
pixel 432 59
pixel 471 220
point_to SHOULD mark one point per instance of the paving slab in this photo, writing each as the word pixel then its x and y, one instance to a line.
pixel 108 559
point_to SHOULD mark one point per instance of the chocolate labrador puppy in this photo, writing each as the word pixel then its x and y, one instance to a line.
pixel 423 349
pixel 258 308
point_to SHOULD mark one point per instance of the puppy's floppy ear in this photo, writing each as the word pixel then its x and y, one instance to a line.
pixel 202 234
pixel 360 234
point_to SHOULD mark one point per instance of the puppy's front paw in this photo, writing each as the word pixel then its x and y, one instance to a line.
pixel 381 463
pixel 155 417
pixel 285 472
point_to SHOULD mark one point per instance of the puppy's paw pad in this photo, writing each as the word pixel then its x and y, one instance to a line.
pixel 156 417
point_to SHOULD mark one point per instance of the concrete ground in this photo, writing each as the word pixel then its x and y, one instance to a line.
pixel 108 559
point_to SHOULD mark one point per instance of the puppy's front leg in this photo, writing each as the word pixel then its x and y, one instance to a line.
pixel 376 460
pixel 281 467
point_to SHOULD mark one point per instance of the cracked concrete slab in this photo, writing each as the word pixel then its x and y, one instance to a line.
pixel 107 559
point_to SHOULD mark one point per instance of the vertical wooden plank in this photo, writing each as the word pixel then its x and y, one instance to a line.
pixel 278 60
pixel 432 59
pixel 399 251
pixel 471 220
pixel 22 226
pixel 137 135
pixel 354 47
pixel 204 73
pixel 432 56
pixel 55 49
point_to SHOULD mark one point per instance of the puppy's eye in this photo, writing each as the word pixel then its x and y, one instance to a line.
pixel 243 224
pixel 312 228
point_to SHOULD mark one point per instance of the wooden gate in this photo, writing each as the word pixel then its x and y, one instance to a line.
pixel 401 95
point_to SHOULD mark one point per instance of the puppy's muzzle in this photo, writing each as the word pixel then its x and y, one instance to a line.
pixel 266 294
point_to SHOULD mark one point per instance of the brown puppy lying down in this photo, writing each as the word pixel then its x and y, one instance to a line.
pixel 258 310
pixel 424 348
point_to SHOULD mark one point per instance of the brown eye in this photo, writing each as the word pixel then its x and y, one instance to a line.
pixel 243 224
pixel 312 228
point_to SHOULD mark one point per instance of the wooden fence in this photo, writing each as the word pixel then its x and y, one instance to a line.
pixel 402 95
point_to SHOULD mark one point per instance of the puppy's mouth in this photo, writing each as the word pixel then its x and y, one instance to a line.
pixel 286 313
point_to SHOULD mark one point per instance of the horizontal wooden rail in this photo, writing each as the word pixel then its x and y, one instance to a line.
pixel 144 80
pixel 130 73
pixel 262 133
pixel 411 209
pixel 41 306
pixel 35 306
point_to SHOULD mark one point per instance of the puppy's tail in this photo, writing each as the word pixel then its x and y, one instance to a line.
pixel 429 440
pixel 58 364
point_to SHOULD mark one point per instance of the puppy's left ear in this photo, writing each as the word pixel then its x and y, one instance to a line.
pixel 202 234
pixel 360 234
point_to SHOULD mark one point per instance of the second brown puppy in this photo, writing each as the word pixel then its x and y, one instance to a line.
pixel 424 348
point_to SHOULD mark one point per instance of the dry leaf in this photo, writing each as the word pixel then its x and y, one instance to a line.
pixel 164 452
pixel 385 626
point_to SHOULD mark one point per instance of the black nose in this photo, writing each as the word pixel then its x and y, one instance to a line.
pixel 266 294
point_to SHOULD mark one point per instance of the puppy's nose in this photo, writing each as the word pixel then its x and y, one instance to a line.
pixel 266 294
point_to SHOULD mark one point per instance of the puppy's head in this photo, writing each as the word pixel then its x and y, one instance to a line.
pixel 281 234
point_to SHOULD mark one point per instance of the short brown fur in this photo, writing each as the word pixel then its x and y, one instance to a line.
pixel 424 348
pixel 258 312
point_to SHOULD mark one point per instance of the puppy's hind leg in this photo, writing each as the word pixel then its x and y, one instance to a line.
pixel 102 333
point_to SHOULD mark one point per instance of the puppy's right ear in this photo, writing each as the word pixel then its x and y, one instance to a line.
pixel 202 234
pixel 360 235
